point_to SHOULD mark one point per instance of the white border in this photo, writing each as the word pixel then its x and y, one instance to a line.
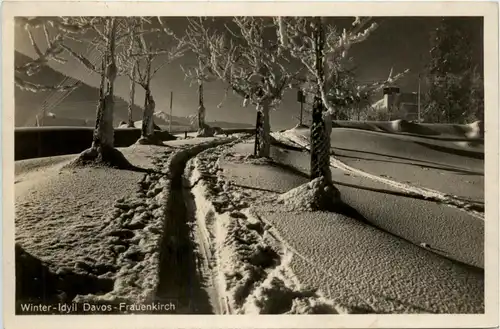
pixel 489 10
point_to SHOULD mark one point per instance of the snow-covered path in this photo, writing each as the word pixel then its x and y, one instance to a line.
pixel 180 276
pixel 357 266
pixel 250 267
pixel 96 232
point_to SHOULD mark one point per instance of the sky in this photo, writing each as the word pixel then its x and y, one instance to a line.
pixel 399 43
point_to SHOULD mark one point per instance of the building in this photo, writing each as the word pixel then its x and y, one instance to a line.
pixel 397 104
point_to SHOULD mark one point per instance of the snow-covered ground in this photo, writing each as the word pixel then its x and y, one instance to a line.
pixel 249 266
pixel 357 267
pixel 453 170
pixel 202 223
pixel 97 232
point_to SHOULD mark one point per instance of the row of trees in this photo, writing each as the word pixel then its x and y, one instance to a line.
pixel 127 46
pixel 258 58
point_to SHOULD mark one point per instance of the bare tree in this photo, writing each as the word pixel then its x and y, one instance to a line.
pixel 246 55
pixel 140 57
pixel 321 49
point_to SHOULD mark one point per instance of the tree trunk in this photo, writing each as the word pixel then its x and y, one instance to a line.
pixel 104 131
pixel 147 131
pixel 265 132
pixel 147 118
pixel 201 106
pixel 132 99
pixel 321 128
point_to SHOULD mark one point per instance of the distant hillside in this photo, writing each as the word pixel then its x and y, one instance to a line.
pixel 79 107
pixel 163 119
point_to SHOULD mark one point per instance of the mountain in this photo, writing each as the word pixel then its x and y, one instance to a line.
pixel 78 107
pixel 163 119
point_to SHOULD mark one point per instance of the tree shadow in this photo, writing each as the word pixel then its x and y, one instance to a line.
pixel 415 130
pixel 454 151
pixel 403 158
pixel 282 145
pixel 476 205
pixel 289 168
pixel 351 212
pixel 257 188
pixel 36 283
pixel 449 169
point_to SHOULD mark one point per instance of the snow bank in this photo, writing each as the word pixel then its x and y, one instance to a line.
pixel 209 131
pixel 462 131
pixel 475 130
pixel 401 126
pixel 313 196
pixel 250 267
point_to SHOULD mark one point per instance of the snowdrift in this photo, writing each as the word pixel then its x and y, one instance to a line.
pixel 466 131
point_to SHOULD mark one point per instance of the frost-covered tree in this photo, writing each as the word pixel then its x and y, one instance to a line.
pixel 50 49
pixel 197 38
pixel 352 98
pixel 322 50
pixel 107 35
pixel 139 60
pixel 246 55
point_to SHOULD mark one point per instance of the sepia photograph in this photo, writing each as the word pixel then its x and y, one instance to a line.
pixel 250 164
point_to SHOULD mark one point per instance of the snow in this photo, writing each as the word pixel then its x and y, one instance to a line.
pixel 315 195
pixel 476 130
pixel 76 229
pixel 264 243
pixel 251 268
pixel 436 170
pixel 345 261
pixel 107 228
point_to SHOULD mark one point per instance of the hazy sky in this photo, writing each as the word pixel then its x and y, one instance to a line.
pixel 399 42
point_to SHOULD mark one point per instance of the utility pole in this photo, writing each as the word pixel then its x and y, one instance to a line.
pixel 170 121
pixel 300 99
pixel 301 111
pixel 418 96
